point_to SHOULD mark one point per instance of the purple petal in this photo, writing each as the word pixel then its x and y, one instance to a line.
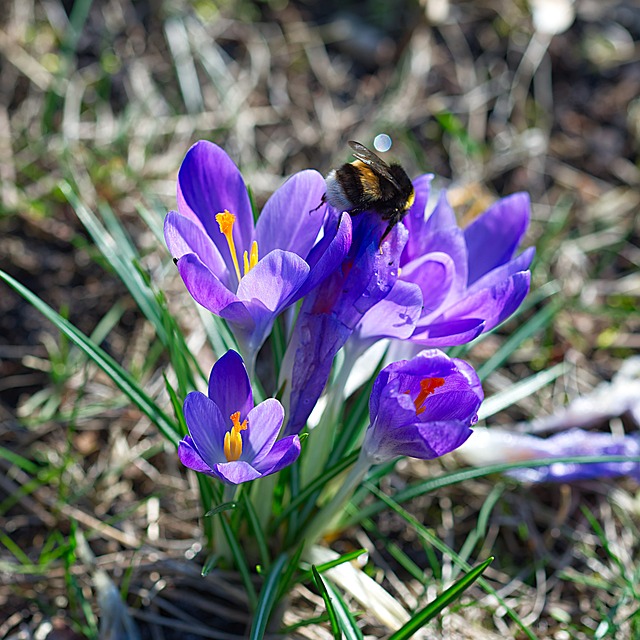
pixel 494 304
pixel 274 281
pixel 328 254
pixel 208 183
pixel 287 221
pixel 184 236
pixel 265 421
pixel 190 457
pixel 395 316
pixel 207 427
pixel 493 238
pixel 425 440
pixel 229 386
pixel 282 454
pixel 497 275
pixel 207 290
pixel 435 274
pixel 443 405
pixel 442 217
pixel 448 333
pixel 416 220
pixel 236 472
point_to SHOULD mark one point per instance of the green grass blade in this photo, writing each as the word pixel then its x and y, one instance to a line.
pixel 443 600
pixel 258 532
pixel 268 599
pixel 455 477
pixel 333 617
pixel 287 580
pixel 325 566
pixel 530 328
pixel 346 621
pixel 519 390
pixel 240 562
pixel 424 533
pixel 117 373
pixel 314 486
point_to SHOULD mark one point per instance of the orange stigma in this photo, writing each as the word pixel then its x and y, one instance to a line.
pixel 427 387
pixel 233 438
pixel 225 221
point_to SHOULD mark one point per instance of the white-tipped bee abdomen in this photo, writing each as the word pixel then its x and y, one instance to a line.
pixel 336 196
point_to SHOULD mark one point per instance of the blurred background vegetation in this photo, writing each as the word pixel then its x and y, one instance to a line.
pixel 102 99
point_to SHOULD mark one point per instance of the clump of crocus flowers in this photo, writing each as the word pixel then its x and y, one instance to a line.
pixel 336 287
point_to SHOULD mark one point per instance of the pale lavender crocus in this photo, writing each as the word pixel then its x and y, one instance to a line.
pixel 496 446
pixel 229 438
pixel 423 407
pixel 243 273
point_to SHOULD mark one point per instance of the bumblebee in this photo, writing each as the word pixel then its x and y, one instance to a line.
pixel 370 184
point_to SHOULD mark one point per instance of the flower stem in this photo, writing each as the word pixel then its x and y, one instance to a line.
pixel 327 518
pixel 322 437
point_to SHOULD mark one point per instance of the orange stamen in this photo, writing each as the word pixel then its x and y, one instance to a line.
pixel 225 221
pixel 427 387
pixel 233 439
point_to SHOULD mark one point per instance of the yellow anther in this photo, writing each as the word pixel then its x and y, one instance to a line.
pixel 251 261
pixel 233 438
pixel 427 387
pixel 225 221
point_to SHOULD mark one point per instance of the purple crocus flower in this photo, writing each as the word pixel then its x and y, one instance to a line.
pixel 229 438
pixel 491 446
pixel 330 313
pixel 471 280
pixel 422 407
pixel 243 274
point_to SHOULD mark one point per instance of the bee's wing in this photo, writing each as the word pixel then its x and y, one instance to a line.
pixel 378 165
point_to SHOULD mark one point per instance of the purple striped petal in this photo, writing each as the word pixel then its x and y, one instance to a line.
pixel 206 289
pixel 493 238
pixel 287 221
pixel 495 304
pixel 236 472
pixel 208 183
pixel 395 316
pixel 207 427
pixel 190 457
pixel 282 454
pixel 264 421
pixel 274 281
pixel 184 236
pixel 229 386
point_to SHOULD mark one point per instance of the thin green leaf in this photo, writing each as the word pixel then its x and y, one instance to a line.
pixel 118 374
pixel 325 566
pixel 20 462
pixel 263 547
pixel 530 328
pixel 268 599
pixel 520 390
pixel 225 506
pixel 287 580
pixel 209 564
pixel 424 533
pixel 240 562
pixel 347 622
pixel 322 588
pixel 443 600
pixel 455 477
pixel 314 486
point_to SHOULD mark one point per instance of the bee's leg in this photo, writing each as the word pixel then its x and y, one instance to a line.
pixel 323 200
pixel 387 231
